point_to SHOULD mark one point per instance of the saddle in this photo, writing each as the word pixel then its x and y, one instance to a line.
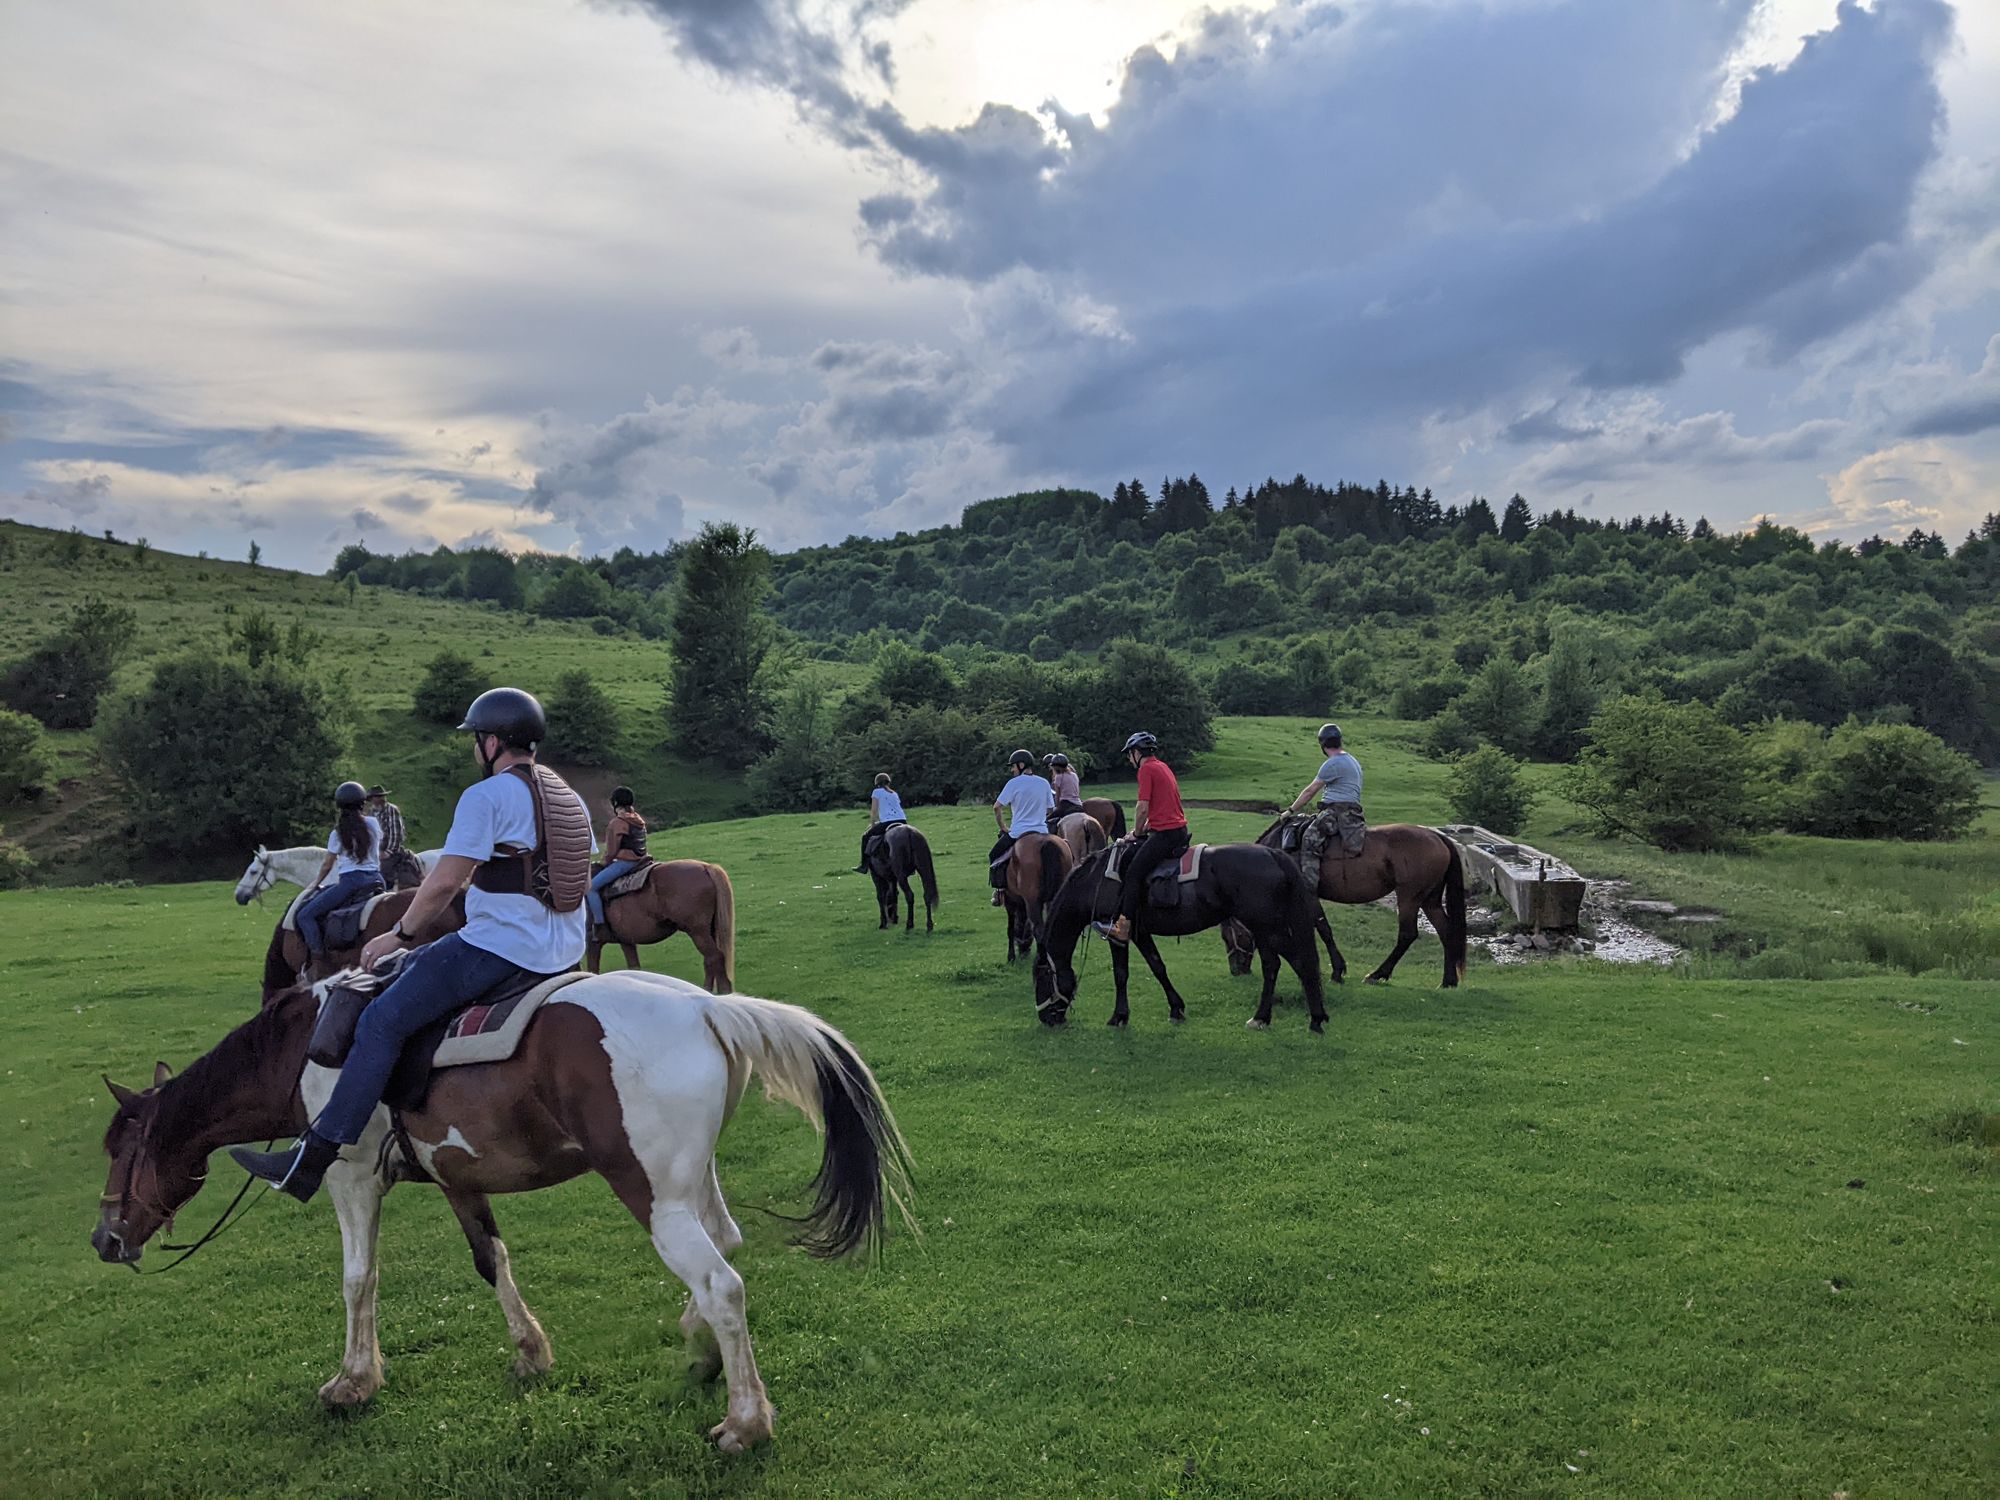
pixel 1292 834
pixel 1163 888
pixel 626 884
pixel 343 925
pixel 488 1030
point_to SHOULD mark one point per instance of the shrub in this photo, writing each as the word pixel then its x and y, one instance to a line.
pixel 804 767
pixel 1140 686
pixel 576 593
pixel 61 680
pixel 17 866
pixel 219 755
pixel 1449 736
pixel 583 721
pixel 27 766
pixel 1782 757
pixel 1486 788
pixel 941 755
pixel 1425 697
pixel 1890 781
pixel 906 677
pixel 1672 774
pixel 450 683
pixel 1499 705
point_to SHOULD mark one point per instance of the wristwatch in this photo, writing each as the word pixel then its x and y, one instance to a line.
pixel 401 936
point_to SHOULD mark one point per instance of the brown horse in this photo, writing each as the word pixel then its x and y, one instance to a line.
pixel 287 953
pixel 1110 815
pixel 1420 866
pixel 1034 872
pixel 631 1076
pixel 680 895
pixel 1083 833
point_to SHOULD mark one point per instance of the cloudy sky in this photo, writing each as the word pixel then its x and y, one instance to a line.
pixel 579 275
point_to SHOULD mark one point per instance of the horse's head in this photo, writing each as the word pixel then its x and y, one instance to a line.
pixel 257 879
pixel 1055 987
pixel 148 1183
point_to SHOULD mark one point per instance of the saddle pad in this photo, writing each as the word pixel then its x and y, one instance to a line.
pixel 624 885
pixel 366 904
pixel 489 1030
pixel 1189 865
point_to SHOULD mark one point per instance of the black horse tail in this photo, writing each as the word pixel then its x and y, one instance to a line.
pixel 926 872
pixel 1052 874
pixel 1118 820
pixel 1304 922
pixel 1454 915
pixel 278 974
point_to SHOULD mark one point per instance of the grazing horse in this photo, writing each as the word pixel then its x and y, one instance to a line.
pixel 1083 833
pixel 1110 815
pixel 1034 872
pixel 680 895
pixel 299 865
pixel 1260 888
pixel 628 1075
pixel 1420 866
pixel 287 953
pixel 897 855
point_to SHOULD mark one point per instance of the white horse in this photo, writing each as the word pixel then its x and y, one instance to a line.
pixel 299 865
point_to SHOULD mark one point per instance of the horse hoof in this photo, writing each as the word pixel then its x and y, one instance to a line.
pixel 1179 1018
pixel 1117 1021
pixel 346 1390
pixel 1256 1025
pixel 733 1437
pixel 1319 1027
pixel 1376 979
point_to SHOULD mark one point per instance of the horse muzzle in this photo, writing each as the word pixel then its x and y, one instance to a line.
pixel 109 1241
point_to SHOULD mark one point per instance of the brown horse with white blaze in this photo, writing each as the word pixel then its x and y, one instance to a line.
pixel 1419 866
pixel 630 1075
pixel 680 895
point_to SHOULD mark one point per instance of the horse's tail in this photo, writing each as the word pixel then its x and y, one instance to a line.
pixel 278 973
pixel 1454 911
pixel 722 924
pixel 926 871
pixel 1305 917
pixel 864 1169
pixel 1052 851
pixel 1118 820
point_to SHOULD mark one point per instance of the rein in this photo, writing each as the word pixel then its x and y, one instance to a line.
pixel 223 1221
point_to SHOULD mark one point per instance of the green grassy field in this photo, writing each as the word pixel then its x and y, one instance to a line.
pixel 1568 1230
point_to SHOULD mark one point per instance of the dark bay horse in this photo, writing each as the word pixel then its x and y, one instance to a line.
pixel 1420 866
pixel 1254 886
pixel 628 1075
pixel 680 895
pixel 287 953
pixel 897 855
pixel 1110 815
pixel 1034 872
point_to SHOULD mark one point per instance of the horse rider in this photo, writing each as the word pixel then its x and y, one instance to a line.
pixel 1338 826
pixel 400 867
pixel 515 863
pixel 1023 806
pixel 624 848
pixel 353 859
pixel 1159 832
pixel 885 810
pixel 1065 784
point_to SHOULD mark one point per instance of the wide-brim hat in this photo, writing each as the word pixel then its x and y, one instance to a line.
pixel 378 791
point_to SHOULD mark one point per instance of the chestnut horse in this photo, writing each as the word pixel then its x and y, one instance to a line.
pixel 287 953
pixel 1419 866
pixel 1110 815
pixel 1084 835
pixel 628 1075
pixel 1034 872
pixel 680 895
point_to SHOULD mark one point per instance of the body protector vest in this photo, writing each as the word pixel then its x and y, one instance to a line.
pixel 556 872
pixel 628 837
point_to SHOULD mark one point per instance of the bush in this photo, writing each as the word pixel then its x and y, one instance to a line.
pixel 1782 757
pixel 27 766
pixel 1890 781
pixel 583 721
pixel 219 755
pixel 17 866
pixel 1672 774
pixel 1486 788
pixel 804 767
pixel 1140 687
pixel 450 683
pixel 1449 736
pixel 61 680
pixel 1425 697
pixel 1499 705
pixel 906 677
pixel 942 755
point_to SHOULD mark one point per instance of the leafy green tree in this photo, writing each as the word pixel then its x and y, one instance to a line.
pixel 1572 685
pixel 583 721
pixel 492 575
pixel 1449 736
pixel 27 765
pixel 1671 774
pixel 1500 706
pixel 1891 781
pixel 218 755
pixel 905 676
pixel 449 684
pixel 1783 754
pixel 1486 787
pixel 806 766
pixel 1140 686
pixel 721 638
pixel 256 555
pixel 62 678
pixel 575 593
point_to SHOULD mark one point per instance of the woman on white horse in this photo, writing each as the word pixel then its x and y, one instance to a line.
pixel 353 859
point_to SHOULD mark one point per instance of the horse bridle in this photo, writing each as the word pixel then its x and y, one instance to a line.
pixel 125 1195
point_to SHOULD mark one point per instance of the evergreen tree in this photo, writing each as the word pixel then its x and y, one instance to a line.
pixel 720 640
pixel 1478 520
pixel 1516 521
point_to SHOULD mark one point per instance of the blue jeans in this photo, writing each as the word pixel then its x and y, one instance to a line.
pixel 604 877
pixel 437 979
pixel 330 898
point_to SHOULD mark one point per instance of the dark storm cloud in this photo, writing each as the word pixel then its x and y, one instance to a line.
pixel 1956 418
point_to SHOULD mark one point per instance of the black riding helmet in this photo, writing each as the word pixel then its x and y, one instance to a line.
pixel 1058 760
pixel 621 796
pixel 1021 758
pixel 511 716
pixel 1329 734
pixel 350 794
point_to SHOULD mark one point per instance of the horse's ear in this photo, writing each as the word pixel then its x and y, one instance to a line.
pixel 125 1097
pixel 262 851
pixel 161 1073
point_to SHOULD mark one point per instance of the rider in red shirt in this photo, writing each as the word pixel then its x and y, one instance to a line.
pixel 1161 829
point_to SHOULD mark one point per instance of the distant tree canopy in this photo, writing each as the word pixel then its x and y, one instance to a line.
pixel 61 679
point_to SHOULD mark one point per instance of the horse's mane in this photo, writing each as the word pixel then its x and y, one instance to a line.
pixel 188 1101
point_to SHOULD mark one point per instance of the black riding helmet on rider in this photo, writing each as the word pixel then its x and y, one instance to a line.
pixel 1056 760
pixel 512 717
pixel 1021 760
pixel 350 794
pixel 1329 736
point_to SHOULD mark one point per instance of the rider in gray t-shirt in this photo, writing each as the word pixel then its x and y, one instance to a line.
pixel 1339 829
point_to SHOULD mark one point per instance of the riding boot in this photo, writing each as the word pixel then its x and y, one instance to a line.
pixel 1120 931
pixel 296 1171
pixel 999 898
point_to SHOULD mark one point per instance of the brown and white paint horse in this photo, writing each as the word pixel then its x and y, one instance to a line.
pixel 680 895
pixel 629 1075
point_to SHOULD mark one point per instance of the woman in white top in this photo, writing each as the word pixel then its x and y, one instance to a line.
pixel 885 808
pixel 353 859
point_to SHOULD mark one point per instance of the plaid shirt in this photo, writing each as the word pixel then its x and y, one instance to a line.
pixel 391 819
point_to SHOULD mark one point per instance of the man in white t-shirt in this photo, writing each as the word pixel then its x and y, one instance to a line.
pixel 1023 806
pixel 507 932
